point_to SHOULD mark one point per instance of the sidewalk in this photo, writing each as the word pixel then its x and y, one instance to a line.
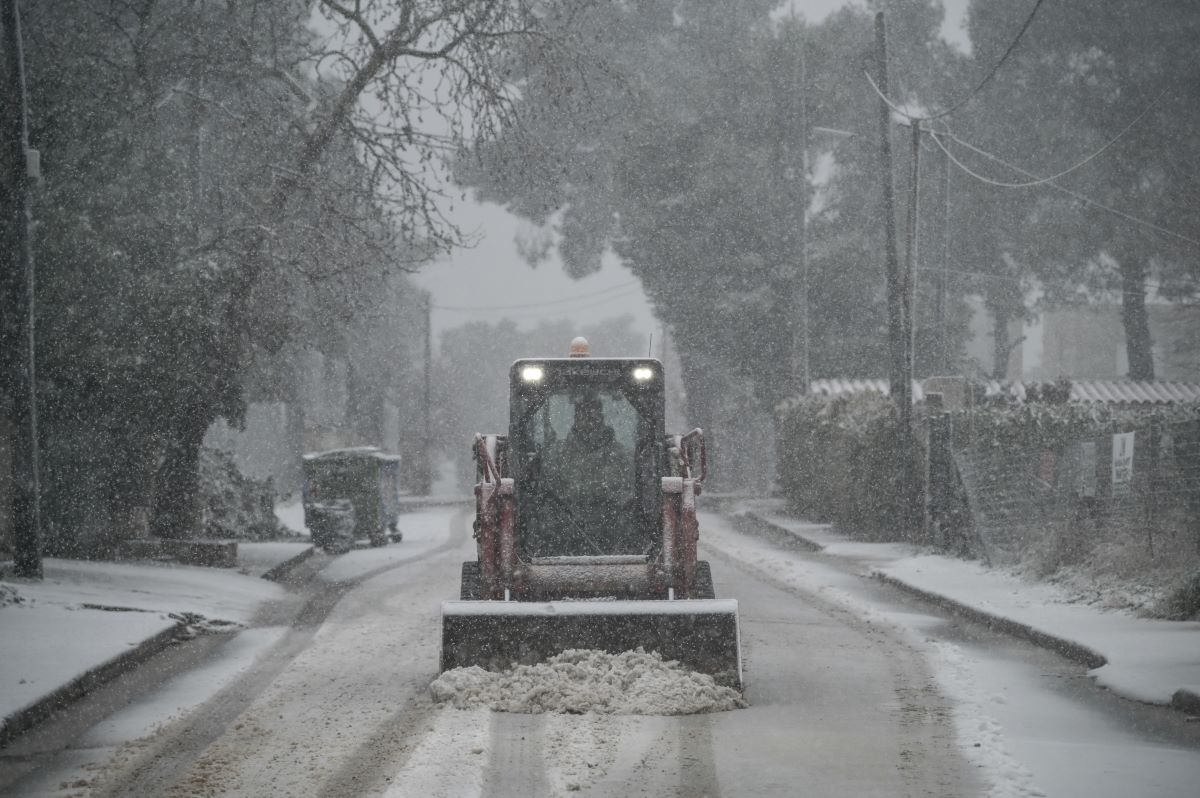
pixel 86 622
pixel 1142 659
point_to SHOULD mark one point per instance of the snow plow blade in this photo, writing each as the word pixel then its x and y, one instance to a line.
pixel 702 634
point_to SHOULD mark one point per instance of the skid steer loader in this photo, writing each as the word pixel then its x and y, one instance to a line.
pixel 586 527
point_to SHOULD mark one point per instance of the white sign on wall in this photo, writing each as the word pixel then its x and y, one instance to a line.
pixel 1122 458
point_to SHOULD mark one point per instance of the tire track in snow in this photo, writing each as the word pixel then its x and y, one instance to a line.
pixel 697 765
pixel 194 756
pixel 516 766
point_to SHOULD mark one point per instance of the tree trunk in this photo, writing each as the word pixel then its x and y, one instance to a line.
pixel 176 512
pixel 1138 345
pixel 127 496
pixel 293 479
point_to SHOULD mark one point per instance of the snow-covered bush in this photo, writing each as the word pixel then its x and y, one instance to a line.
pixel 1183 602
pixel 837 463
pixel 233 505
pixel 1042 425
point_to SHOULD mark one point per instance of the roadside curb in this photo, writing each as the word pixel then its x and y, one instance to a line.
pixel 1184 699
pixel 752 523
pixel 1068 648
pixel 756 524
pixel 284 569
pixel 25 719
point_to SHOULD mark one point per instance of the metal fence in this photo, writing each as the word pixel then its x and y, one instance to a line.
pixel 1139 486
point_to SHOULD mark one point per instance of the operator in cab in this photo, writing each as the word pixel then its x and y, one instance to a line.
pixel 591 472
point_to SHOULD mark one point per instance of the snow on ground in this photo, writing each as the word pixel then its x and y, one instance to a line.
pixel 84 614
pixel 422 529
pixel 258 558
pixel 291 514
pixel 579 680
pixel 1148 660
pixel 45 646
pixel 186 691
pixel 449 760
pixel 980 733
pixel 1066 748
pixel 215 593
pixel 1000 770
pixel 1069 747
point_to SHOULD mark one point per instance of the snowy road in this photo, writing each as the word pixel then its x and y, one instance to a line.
pixel 852 691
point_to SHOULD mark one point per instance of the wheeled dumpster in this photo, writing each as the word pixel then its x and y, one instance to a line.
pixel 363 476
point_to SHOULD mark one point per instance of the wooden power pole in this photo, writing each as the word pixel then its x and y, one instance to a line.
pixel 892 260
pixel 17 336
pixel 899 302
pixel 425 465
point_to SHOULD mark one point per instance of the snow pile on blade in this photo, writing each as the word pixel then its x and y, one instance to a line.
pixel 584 680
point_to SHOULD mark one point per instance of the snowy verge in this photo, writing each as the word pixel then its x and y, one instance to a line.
pixel 215 593
pixel 1144 659
pixel 269 558
pixel 86 618
pixel 981 737
pixel 50 652
pixel 580 680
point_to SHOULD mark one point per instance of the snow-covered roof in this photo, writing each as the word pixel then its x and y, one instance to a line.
pixel 838 386
pixel 351 451
pixel 1130 391
pixel 1112 391
pixel 1101 391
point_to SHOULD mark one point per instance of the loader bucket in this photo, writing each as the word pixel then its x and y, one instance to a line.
pixel 702 634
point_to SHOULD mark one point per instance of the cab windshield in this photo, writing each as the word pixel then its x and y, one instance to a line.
pixel 580 492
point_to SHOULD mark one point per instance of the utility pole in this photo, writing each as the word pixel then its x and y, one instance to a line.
pixel 910 481
pixel 801 377
pixel 18 311
pixel 898 288
pixel 909 283
pixel 425 466
pixel 944 277
pixel 892 263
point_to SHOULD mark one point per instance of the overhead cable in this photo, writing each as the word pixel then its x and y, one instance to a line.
pixel 975 91
pixel 1063 173
pixel 1008 278
pixel 1048 182
pixel 613 289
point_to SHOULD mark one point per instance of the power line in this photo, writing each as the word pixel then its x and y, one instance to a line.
pixel 1011 279
pixel 1048 182
pixel 1069 169
pixel 562 301
pixel 975 91
pixel 571 309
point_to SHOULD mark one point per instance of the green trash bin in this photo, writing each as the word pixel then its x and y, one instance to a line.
pixel 364 476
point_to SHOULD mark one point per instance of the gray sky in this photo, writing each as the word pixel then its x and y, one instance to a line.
pixel 494 275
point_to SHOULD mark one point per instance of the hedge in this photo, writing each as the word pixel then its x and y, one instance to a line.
pixel 836 463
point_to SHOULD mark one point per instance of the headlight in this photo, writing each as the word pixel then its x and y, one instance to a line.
pixel 643 373
pixel 532 374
